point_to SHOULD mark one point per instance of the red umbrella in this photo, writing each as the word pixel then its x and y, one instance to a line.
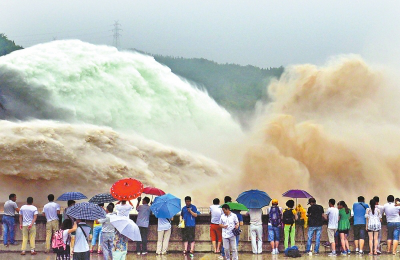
pixel 153 191
pixel 126 189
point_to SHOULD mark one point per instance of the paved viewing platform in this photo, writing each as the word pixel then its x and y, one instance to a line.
pixel 203 243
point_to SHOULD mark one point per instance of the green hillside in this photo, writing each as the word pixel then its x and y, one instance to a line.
pixel 7 46
pixel 235 87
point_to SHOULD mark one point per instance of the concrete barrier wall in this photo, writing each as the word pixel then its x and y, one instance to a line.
pixel 202 236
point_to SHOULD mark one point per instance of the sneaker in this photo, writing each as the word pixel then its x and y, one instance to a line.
pixel 360 252
pixel 379 252
pixel 344 253
pixel 273 252
pixel 33 252
pixel 332 254
pixel 310 253
pixel 23 253
pixel 316 253
pixel 144 253
pixel 220 257
pixel 138 253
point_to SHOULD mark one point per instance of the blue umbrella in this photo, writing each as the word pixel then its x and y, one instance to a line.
pixel 87 211
pixel 254 199
pixel 166 206
pixel 71 196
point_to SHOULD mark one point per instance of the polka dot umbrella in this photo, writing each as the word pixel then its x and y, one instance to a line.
pixel 126 189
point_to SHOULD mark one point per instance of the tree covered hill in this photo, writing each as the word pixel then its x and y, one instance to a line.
pixel 233 86
pixel 7 46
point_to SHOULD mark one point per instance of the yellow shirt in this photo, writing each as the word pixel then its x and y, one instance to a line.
pixel 96 225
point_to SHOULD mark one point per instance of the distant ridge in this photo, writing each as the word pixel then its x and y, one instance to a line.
pixel 235 87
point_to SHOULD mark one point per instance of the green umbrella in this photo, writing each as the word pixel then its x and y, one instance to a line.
pixel 236 206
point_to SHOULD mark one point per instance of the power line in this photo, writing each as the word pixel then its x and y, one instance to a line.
pixel 39 34
pixel 116 34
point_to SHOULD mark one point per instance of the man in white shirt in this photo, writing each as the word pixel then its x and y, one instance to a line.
pixel 256 230
pixel 393 224
pixel 228 222
pixel 107 233
pixel 215 229
pixel 27 218
pixel 164 233
pixel 381 209
pixel 51 211
pixel 123 209
pixel 10 207
pixel 332 215
pixel 79 241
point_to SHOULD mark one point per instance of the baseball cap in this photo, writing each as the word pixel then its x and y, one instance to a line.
pixel 274 201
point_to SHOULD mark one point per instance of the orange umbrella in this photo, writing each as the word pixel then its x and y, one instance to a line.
pixel 127 189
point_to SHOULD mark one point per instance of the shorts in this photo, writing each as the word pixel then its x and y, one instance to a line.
pixel 215 232
pixel 393 231
pixel 82 256
pixel 359 232
pixel 273 233
pixel 331 235
pixel 188 234
pixel 346 231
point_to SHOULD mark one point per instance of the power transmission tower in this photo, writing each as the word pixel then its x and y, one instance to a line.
pixel 116 34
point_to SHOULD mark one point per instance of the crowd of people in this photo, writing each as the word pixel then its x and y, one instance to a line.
pixel 367 219
pixel 75 239
pixel 79 240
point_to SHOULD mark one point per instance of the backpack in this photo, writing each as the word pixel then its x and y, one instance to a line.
pixel 57 244
pixel 288 217
pixel 275 216
pixel 292 252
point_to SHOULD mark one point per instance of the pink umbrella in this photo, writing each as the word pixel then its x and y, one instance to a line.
pixel 153 191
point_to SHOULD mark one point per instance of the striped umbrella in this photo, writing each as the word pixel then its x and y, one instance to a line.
pixel 102 198
pixel 71 196
pixel 87 211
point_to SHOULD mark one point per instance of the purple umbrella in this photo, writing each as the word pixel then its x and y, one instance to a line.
pixel 297 194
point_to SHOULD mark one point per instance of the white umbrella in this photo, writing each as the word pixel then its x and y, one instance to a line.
pixel 126 227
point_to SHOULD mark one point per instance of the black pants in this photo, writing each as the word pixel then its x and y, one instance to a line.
pixel 141 246
pixel 82 256
pixel 64 254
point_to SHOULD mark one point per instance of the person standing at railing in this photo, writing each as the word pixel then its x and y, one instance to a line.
pixel 10 207
pixel 189 214
pixel 142 221
pixel 215 229
pixel 393 224
pixel 359 209
pixel 27 223
pixel 51 211
pixel 228 223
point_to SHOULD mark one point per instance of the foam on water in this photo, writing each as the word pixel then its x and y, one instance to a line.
pixel 77 82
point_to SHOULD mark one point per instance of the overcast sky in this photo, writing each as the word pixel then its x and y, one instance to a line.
pixel 258 32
